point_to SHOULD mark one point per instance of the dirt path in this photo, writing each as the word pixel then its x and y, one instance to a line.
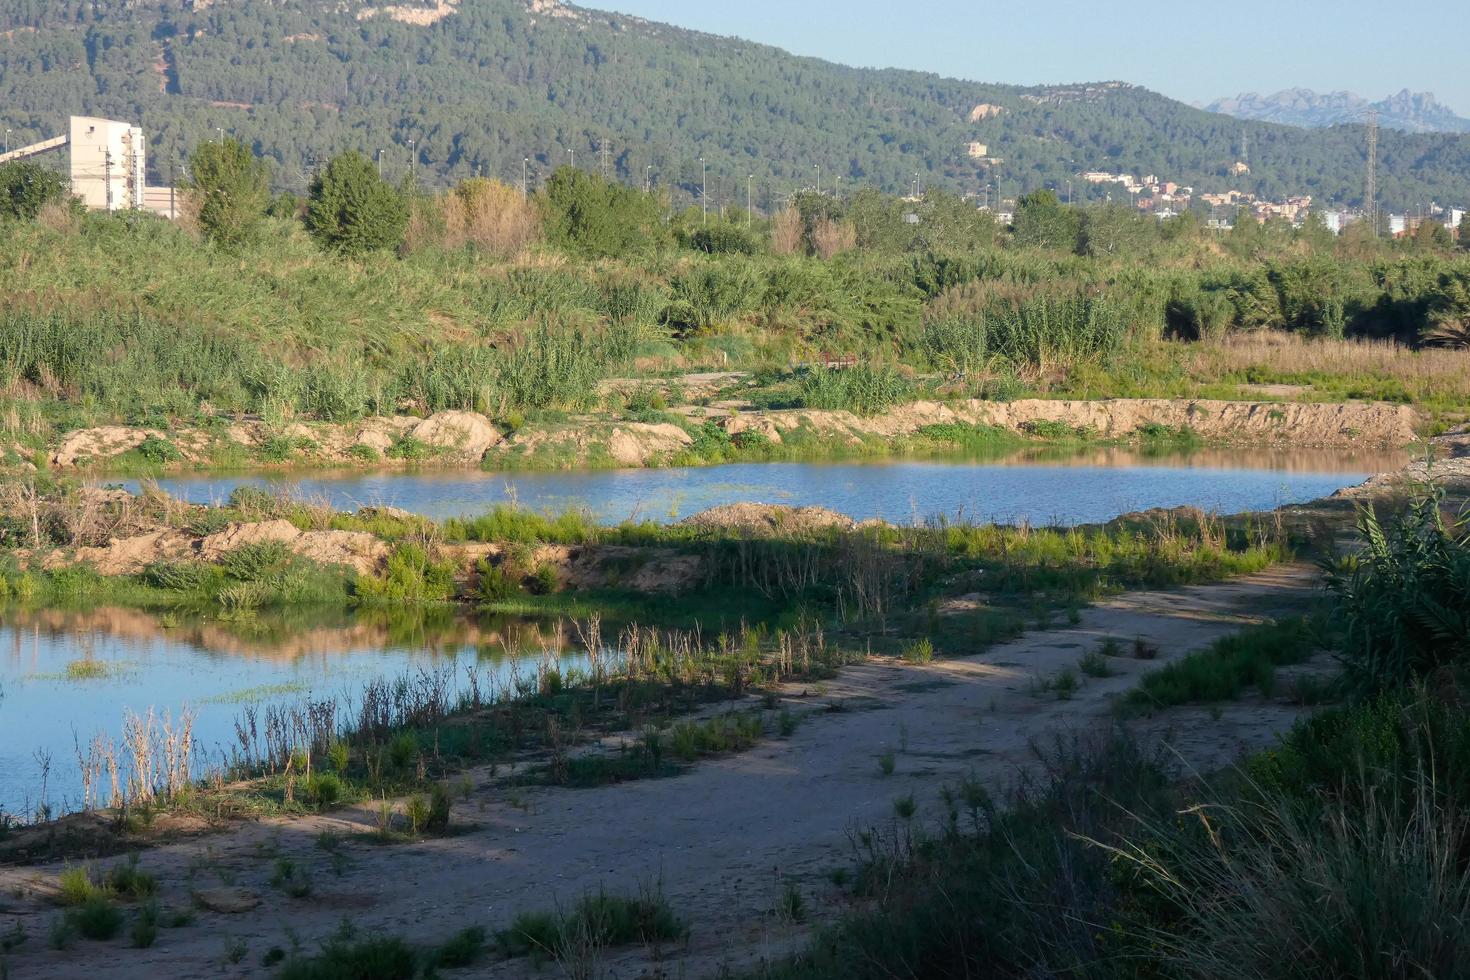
pixel 721 837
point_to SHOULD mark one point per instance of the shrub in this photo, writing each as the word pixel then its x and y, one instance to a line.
pixel 130 881
pixel 1404 601
pixel 605 920
pixel 95 918
pixel 411 577
pixel 462 949
pixel 323 789
pixel 346 958
pixel 231 187
pixel 863 390
pixel 76 886
pixel 26 187
pixel 352 210
pixel 158 451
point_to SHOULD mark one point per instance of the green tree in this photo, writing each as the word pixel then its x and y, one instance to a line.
pixel 1315 234
pixel 1464 232
pixel 233 187
pixel 353 210
pixel 26 187
pixel 1042 221
pixel 1114 229
pixel 598 217
pixel 946 222
pixel 1432 236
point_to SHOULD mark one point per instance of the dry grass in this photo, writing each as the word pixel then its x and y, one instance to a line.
pixel 787 232
pixel 1288 353
pixel 486 214
pixel 831 238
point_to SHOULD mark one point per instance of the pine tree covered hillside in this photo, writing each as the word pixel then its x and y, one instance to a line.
pixel 483 85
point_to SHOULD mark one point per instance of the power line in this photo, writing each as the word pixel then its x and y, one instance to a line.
pixel 1370 198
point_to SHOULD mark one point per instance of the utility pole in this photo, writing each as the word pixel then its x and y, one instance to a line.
pixel 221 131
pixel 1370 198
pixel 749 187
pixel 572 156
pixel 704 189
pixel 380 163
pixel 7 141
pixel 648 179
pixel 107 175
pixel 412 160
pixel 525 174
pixel 818 168
pixel 1069 193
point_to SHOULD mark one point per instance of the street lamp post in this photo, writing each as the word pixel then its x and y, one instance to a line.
pixel 818 169
pixel 648 179
pixel 412 160
pixel 704 189
pixel 7 141
pixel 749 188
pixel 525 174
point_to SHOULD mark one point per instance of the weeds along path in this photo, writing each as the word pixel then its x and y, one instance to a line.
pixel 722 838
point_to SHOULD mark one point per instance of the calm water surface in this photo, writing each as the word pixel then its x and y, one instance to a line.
pixel 1096 486
pixel 217 668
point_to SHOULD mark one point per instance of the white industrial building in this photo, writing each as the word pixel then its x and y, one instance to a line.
pixel 108 166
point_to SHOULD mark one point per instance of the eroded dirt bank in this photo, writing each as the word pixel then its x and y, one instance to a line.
pixel 721 838
pixel 470 438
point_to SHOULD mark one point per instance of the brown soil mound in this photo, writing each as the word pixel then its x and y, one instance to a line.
pixel 131 555
pixel 636 443
pixel 1305 424
pixel 467 435
pixel 100 443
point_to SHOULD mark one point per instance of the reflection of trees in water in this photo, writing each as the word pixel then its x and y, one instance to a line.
pixel 294 633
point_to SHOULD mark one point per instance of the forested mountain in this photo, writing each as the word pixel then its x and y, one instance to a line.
pixel 480 85
pixel 1412 112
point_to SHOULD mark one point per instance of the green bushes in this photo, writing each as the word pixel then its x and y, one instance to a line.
pixel 1405 599
pixel 1229 665
pixel 598 919
pixel 26 187
pixel 561 368
pixel 352 210
pixel 410 577
pixel 863 389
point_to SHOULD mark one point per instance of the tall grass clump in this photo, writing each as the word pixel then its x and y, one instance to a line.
pixel 1405 598
pixel 1028 328
pixel 562 367
pixel 1339 853
pixel 485 214
pixel 862 390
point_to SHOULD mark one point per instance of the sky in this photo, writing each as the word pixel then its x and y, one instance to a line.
pixel 1187 49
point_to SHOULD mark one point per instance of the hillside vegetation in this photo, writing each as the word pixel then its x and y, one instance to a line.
pixel 516 308
pixel 479 86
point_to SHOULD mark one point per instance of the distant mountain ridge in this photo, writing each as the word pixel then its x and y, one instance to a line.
pixel 517 88
pixel 1411 112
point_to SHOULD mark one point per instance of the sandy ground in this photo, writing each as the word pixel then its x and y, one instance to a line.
pixel 720 838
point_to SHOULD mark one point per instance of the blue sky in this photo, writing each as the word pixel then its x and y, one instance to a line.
pixel 1187 49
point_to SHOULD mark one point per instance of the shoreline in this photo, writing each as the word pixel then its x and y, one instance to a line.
pixel 695 435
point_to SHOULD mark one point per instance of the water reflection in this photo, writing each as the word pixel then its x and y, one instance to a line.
pixel 69 674
pixel 1037 484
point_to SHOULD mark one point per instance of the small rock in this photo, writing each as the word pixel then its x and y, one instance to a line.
pixel 227 901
